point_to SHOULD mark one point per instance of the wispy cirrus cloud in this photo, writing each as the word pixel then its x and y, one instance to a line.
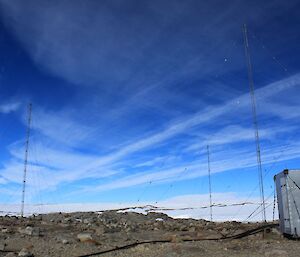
pixel 66 164
pixel 138 92
pixel 224 160
pixel 9 107
pixel 237 134
pixel 59 126
pixel 209 114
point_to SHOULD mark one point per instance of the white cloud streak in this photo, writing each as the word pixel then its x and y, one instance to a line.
pixel 68 165
pixel 59 126
pixel 9 107
pixel 224 162
pixel 208 115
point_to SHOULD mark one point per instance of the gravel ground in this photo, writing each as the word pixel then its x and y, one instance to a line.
pixel 77 234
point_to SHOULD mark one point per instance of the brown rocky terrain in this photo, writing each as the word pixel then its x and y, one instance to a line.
pixel 133 234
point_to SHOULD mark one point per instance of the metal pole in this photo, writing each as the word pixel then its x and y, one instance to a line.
pixel 255 124
pixel 209 184
pixel 26 156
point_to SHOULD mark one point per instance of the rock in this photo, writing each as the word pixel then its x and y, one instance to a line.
pixel 158 224
pixel 99 230
pixel 30 231
pixel 175 239
pixel 25 253
pixel 112 229
pixel 10 255
pixel 87 221
pixel 141 248
pixel 85 237
pixel 66 220
pixel 183 228
pixel 2 246
pixel 5 230
pixel 276 231
pixel 65 241
pixel 38 217
pixel 223 231
pixel 276 253
pixel 192 229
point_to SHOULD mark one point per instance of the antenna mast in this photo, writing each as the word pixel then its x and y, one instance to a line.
pixel 255 124
pixel 26 156
pixel 209 183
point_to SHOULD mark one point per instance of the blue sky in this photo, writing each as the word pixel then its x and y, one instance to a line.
pixel 127 94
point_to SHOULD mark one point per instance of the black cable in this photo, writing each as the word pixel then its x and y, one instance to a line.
pixel 251 215
pixel 293 181
pixel 261 210
pixel 266 173
pixel 237 236
pixel 257 208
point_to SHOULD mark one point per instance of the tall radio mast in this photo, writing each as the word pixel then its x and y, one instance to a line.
pixel 255 124
pixel 26 156
pixel 209 183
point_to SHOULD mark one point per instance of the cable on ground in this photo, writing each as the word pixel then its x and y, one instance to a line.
pixel 237 236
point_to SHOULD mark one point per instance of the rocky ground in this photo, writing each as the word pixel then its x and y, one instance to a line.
pixel 82 234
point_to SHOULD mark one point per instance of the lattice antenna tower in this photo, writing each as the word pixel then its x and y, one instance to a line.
pixel 26 156
pixel 209 183
pixel 255 124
